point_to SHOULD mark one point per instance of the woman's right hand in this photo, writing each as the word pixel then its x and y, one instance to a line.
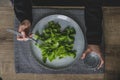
pixel 24 30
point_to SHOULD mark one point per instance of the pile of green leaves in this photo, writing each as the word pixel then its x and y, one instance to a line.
pixel 56 43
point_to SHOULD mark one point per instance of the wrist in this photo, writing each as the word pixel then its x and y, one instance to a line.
pixel 94 47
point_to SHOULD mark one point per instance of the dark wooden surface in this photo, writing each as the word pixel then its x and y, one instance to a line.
pixel 72 2
pixel 112 42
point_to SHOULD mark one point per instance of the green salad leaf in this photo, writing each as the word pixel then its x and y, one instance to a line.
pixel 56 43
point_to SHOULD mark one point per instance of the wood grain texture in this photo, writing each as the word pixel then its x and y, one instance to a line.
pixel 112 26
pixel 112 42
pixel 5 3
pixel 7 69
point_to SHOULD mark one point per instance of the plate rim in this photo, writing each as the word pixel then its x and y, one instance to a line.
pixel 73 62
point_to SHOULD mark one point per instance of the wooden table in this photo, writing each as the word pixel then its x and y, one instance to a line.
pixel 111 30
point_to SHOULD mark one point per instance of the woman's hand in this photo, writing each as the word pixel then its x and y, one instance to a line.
pixel 96 49
pixel 24 30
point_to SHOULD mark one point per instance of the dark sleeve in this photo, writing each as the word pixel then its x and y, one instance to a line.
pixel 23 9
pixel 93 21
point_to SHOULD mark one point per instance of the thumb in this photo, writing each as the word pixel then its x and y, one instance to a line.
pixel 21 28
pixel 23 34
pixel 25 38
pixel 85 53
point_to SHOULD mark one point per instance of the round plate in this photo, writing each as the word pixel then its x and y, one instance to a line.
pixel 79 43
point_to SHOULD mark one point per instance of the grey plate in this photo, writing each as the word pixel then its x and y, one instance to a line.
pixel 79 43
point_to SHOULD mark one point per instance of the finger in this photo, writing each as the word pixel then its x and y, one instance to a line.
pixel 25 38
pixel 31 35
pixel 20 28
pixel 22 38
pixel 101 64
pixel 101 61
pixel 19 38
pixel 83 56
pixel 85 53
pixel 23 34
